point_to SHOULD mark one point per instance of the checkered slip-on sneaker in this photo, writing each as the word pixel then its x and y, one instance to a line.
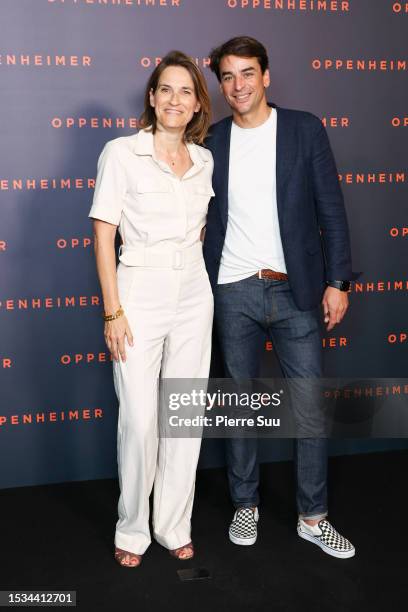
pixel 324 535
pixel 243 529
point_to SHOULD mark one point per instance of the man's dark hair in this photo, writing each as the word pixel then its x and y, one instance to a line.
pixel 242 46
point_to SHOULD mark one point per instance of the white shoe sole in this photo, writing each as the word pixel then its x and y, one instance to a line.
pixel 325 548
pixel 242 541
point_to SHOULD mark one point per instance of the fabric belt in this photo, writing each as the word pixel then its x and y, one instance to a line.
pixel 147 257
pixel 271 275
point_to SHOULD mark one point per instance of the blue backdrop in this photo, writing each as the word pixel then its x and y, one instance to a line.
pixel 72 75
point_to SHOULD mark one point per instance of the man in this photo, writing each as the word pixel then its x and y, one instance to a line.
pixel 276 248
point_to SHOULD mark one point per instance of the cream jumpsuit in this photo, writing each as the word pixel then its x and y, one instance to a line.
pixel 165 292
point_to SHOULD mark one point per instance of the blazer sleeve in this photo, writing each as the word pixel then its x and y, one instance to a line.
pixel 331 213
pixel 110 186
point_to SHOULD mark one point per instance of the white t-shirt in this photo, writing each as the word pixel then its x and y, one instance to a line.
pixel 252 240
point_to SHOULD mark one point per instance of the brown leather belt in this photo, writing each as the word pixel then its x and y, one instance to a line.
pixel 271 275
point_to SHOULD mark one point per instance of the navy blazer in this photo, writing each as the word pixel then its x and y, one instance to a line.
pixel 312 217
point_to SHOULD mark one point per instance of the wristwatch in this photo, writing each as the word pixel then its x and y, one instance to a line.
pixel 339 284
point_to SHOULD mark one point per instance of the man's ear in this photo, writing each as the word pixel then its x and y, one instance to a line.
pixel 266 78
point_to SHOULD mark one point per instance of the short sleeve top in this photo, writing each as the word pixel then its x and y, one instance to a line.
pixel 152 206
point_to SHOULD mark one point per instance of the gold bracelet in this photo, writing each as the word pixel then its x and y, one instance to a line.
pixel 112 317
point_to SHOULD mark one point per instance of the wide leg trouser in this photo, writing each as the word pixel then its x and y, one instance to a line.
pixel 170 314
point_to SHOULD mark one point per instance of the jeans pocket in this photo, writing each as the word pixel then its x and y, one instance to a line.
pixel 226 286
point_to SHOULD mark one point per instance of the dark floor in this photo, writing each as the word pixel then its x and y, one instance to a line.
pixel 61 537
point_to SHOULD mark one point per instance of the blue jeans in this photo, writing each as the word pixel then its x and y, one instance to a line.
pixel 246 312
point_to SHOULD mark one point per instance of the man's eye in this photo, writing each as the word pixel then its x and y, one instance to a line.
pixel 249 74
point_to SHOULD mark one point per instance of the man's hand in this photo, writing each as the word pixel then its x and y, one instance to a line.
pixel 335 304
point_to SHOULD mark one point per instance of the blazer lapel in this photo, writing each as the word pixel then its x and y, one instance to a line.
pixel 285 156
pixel 221 169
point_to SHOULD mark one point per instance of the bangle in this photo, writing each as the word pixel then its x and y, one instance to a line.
pixel 112 317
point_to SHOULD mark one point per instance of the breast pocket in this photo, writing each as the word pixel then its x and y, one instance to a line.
pixel 153 195
pixel 201 195
pixel 204 190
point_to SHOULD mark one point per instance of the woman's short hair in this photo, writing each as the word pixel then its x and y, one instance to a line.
pixel 197 128
pixel 241 46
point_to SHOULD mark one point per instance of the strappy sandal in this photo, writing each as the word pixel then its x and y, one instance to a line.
pixel 177 552
pixel 120 556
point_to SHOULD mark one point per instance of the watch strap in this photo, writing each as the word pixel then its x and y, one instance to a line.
pixel 342 285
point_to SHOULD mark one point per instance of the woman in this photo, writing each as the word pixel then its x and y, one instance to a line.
pixel 156 186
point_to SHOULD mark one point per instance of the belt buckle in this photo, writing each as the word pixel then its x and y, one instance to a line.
pixel 178 260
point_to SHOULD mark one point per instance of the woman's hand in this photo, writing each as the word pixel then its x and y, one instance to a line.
pixel 115 333
pixel 117 330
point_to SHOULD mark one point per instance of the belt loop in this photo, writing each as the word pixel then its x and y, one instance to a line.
pixel 260 274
